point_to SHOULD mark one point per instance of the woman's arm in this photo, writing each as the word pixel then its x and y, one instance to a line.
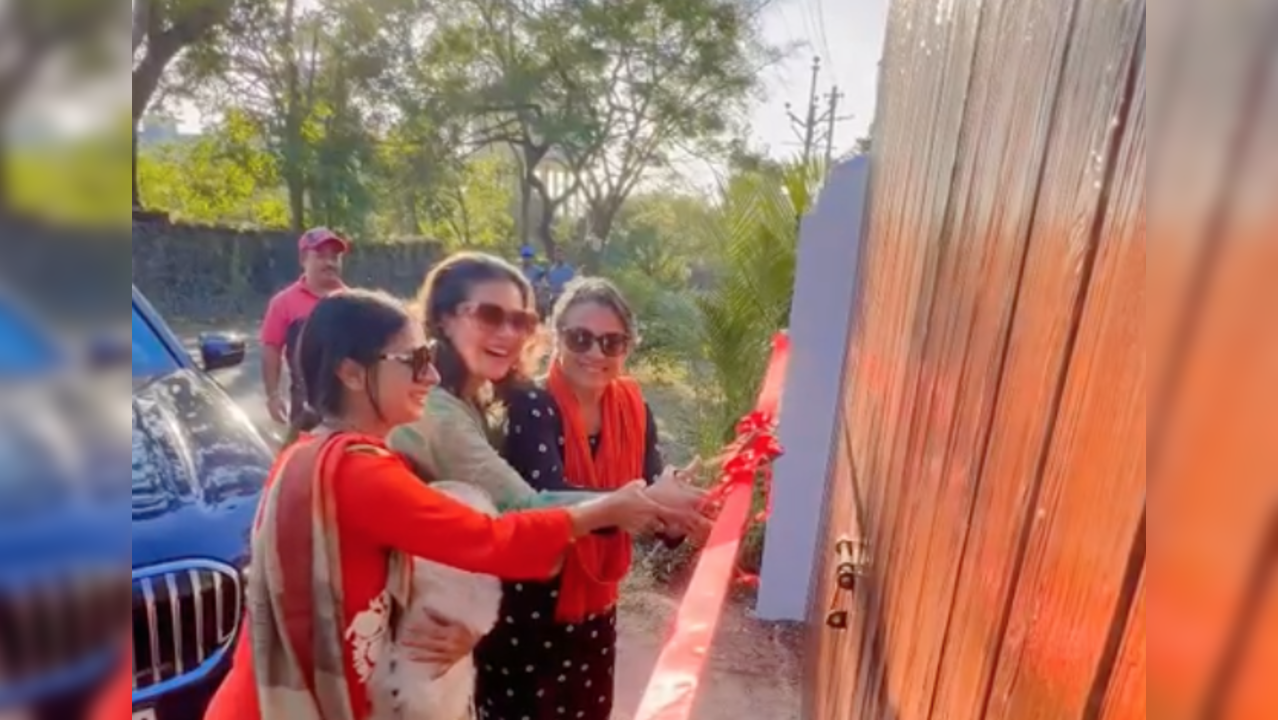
pixel 380 498
pixel 450 443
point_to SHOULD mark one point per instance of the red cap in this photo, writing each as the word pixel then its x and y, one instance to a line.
pixel 319 237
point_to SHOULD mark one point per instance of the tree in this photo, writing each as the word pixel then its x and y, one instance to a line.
pixel 303 73
pixel 607 89
pixel 501 64
pixel 676 76
pixel 475 211
pixel 664 236
pixel 162 29
pixel 35 35
pixel 222 178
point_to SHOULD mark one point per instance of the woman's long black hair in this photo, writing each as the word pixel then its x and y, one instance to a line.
pixel 355 325
pixel 450 285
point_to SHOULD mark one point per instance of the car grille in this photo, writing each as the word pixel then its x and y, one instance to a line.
pixel 51 626
pixel 185 617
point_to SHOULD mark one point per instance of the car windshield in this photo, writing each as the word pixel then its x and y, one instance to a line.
pixel 151 357
pixel 25 348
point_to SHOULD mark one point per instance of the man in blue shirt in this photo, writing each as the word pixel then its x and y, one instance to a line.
pixel 528 264
pixel 561 273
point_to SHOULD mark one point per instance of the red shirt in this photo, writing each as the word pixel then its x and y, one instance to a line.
pixel 286 313
pixel 285 316
pixel 383 506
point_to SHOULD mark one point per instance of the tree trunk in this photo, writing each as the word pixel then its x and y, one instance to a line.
pixel 525 210
pixel 464 207
pixel 545 213
pixel 293 173
pixel 146 81
pixel 141 18
pixel 546 227
pixel 602 218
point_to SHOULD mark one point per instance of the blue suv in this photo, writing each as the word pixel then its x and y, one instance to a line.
pixel 198 469
pixel 198 465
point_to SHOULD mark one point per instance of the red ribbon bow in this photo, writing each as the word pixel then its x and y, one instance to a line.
pixel 749 459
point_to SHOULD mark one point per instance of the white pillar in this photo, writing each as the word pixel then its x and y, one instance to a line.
pixel 820 329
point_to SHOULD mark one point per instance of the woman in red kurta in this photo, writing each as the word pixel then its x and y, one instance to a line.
pixel 342 515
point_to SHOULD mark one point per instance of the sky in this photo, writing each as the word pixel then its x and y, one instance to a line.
pixel 848 37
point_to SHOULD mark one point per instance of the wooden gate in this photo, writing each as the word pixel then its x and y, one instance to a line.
pixel 991 461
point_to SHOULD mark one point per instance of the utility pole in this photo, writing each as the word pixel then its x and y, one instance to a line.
pixel 818 125
pixel 832 117
pixel 806 128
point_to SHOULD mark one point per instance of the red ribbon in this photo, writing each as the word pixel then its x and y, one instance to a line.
pixel 672 691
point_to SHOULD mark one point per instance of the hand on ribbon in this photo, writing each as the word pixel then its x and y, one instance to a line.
pixel 682 504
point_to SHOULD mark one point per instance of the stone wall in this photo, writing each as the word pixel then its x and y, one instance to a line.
pixel 211 274
pixel 75 276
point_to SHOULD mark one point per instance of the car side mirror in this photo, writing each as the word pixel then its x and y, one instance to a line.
pixel 220 351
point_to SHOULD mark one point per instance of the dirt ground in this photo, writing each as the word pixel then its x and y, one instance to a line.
pixel 755 670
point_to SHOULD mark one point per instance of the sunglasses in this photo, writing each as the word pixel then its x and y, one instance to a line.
pixel 421 361
pixel 495 317
pixel 580 341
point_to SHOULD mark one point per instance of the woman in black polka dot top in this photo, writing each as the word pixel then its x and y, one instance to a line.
pixel 586 428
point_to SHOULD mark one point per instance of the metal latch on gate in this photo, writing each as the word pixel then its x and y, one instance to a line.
pixel 852 562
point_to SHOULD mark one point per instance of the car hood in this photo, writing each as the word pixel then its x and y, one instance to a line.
pixel 198 467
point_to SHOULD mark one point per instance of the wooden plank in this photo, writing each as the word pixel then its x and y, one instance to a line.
pixel 827 646
pixel 1062 244
pixel 1078 581
pixel 928 73
pixel 984 245
pixel 1251 694
pixel 1252 227
pixel 1205 57
pixel 1126 699
pixel 1217 458
pixel 889 267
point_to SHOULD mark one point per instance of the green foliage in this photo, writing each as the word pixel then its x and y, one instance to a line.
pixel 665 236
pixel 77 184
pixel 223 178
pixel 667 314
pixel 759 234
pixel 476 212
pixel 610 89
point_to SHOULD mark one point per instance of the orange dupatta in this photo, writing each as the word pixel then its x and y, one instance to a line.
pixel 596 565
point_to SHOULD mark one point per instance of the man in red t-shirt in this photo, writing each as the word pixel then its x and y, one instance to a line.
pixel 322 252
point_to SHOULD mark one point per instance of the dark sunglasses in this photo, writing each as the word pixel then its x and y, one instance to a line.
pixel 580 341
pixel 495 317
pixel 420 360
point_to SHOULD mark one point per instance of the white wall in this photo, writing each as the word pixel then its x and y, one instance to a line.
pixel 820 326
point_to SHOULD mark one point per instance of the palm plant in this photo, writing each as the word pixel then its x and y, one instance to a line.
pixel 751 301
pixel 756 239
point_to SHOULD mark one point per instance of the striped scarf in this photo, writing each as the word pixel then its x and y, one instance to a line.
pixel 295 597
